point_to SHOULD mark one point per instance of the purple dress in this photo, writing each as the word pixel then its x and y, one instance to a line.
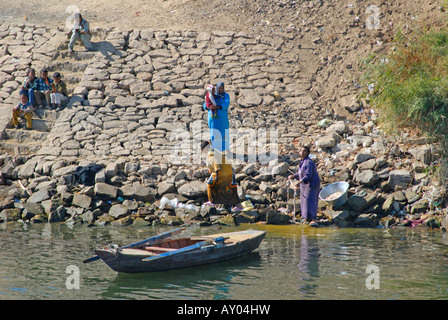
pixel 309 188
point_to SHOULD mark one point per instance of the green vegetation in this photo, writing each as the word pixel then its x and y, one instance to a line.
pixel 411 86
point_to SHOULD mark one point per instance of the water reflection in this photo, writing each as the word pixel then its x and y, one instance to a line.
pixel 203 282
pixel 309 264
pixel 293 262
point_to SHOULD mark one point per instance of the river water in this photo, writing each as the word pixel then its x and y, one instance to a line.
pixel 293 262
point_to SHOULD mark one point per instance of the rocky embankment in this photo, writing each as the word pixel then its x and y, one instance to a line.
pixel 128 139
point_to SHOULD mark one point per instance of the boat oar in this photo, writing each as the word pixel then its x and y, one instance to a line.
pixel 140 243
pixel 185 249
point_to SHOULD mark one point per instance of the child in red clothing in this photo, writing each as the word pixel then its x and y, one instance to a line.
pixel 210 100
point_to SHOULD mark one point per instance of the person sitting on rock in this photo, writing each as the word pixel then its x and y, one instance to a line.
pixel 24 108
pixel 210 102
pixel 45 86
pixel 30 85
pixel 81 32
pixel 59 92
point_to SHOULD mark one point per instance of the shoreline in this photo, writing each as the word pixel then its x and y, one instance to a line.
pixel 141 86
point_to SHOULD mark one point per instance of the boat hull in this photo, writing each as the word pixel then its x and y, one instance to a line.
pixel 131 260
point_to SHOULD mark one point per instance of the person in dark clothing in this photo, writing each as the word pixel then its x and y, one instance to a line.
pixel 309 183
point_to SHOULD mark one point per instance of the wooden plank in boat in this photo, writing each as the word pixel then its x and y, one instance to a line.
pixel 137 252
pixel 161 249
pixel 237 237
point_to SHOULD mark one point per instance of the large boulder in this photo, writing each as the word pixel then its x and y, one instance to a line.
pixel 137 192
pixel 361 157
pixel 193 189
pixel 388 204
pixel 105 190
pixel 281 168
pixel 359 203
pixel 400 178
pixel 12 214
pixel 165 187
pixel 81 200
pixel 57 215
pixel 339 127
pixel 274 217
pixel 367 177
pixel 339 216
pixel 31 209
pixel 420 207
pixel 326 142
pixel 26 170
pixel 366 220
pixel 249 98
pixel 118 211
pixel 39 196
pixel 422 153
pixel 111 170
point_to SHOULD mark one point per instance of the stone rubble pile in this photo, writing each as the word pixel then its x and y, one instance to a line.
pixel 136 116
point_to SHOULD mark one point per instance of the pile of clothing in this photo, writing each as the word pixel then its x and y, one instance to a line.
pixel 86 175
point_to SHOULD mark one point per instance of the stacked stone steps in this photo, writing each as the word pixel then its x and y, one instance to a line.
pixel 20 148
pixel 141 87
pixel 71 65
pixel 54 56
pixel 28 142
pixel 21 135
pixel 138 88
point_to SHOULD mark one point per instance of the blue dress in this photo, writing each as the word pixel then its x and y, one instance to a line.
pixel 219 127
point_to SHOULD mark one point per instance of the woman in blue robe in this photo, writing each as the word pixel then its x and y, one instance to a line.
pixel 221 185
pixel 219 125
pixel 309 182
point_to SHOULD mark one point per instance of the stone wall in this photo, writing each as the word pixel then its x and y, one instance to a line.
pixel 140 94
pixel 151 83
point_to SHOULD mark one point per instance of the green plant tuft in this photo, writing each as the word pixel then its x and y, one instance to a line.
pixel 411 85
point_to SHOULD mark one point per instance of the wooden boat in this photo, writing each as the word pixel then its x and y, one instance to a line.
pixel 166 253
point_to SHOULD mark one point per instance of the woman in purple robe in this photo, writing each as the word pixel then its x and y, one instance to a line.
pixel 309 186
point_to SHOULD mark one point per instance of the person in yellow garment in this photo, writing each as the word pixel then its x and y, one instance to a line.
pixel 221 186
pixel 23 107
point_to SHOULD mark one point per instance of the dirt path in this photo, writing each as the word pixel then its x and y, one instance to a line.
pixel 151 14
